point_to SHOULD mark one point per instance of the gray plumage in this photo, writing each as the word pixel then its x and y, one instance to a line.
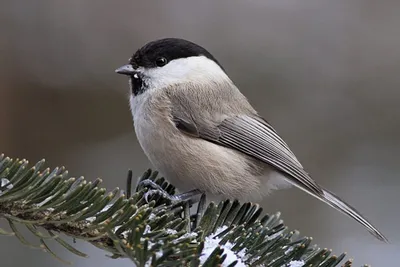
pixel 200 131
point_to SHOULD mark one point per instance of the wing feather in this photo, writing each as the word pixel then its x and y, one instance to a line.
pixel 252 137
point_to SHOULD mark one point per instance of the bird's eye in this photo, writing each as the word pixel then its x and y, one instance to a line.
pixel 161 61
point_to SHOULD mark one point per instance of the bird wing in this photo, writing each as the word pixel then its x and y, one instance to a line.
pixel 253 136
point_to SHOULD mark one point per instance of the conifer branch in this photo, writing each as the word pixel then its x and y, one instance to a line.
pixel 155 232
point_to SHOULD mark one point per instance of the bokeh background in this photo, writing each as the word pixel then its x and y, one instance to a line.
pixel 324 73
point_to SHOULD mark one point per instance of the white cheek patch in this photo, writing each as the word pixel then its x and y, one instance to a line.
pixel 184 70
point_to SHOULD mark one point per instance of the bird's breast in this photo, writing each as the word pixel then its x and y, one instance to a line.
pixel 194 163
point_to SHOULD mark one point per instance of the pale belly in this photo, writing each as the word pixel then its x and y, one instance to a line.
pixel 193 163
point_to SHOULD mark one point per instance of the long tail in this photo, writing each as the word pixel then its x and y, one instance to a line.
pixel 337 203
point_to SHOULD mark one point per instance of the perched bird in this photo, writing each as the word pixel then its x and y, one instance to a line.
pixel 202 134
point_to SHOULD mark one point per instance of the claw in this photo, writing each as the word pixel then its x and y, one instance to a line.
pixel 149 183
pixel 153 192
pixel 192 196
pixel 163 194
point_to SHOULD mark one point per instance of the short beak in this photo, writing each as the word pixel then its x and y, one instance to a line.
pixel 126 70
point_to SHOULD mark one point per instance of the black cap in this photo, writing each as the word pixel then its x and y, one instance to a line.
pixel 170 49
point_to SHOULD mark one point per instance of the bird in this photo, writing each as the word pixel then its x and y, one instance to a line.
pixel 198 129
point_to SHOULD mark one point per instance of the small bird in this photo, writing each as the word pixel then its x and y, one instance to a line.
pixel 202 134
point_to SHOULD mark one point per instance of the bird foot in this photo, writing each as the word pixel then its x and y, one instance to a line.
pixel 192 196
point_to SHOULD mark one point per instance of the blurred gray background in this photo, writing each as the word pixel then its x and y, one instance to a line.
pixel 324 73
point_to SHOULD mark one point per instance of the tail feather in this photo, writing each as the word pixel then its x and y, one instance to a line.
pixel 337 203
